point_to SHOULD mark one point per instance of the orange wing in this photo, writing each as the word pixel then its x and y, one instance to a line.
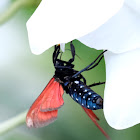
pixel 45 108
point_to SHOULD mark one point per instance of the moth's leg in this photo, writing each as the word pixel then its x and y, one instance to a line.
pixel 72 52
pixel 96 84
pixel 96 64
pixel 82 77
pixel 56 53
pixel 92 65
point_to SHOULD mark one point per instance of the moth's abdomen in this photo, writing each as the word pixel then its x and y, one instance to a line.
pixel 85 96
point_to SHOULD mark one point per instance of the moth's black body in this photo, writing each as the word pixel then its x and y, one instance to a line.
pixel 74 83
pixel 85 96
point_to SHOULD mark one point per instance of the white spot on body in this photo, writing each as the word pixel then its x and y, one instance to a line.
pixel 85 90
pixel 83 97
pixel 79 93
pixel 82 104
pixel 81 86
pixel 76 82
pixel 89 93
pixel 88 98
pixel 76 99
pixel 88 106
pixel 74 89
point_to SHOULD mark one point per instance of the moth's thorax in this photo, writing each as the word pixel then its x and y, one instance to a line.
pixel 64 74
pixel 64 77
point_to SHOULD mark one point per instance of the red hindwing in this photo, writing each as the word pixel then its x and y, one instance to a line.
pixel 45 108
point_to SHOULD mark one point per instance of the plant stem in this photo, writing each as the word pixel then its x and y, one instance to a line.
pixel 14 7
pixel 12 123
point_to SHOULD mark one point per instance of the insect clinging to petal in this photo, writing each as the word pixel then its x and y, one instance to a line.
pixel 45 108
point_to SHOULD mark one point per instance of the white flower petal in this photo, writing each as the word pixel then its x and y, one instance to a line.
pixel 122 91
pixel 58 21
pixel 134 4
pixel 121 33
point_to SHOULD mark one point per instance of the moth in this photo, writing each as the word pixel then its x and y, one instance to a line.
pixel 45 108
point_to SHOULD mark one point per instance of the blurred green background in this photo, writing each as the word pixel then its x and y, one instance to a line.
pixel 23 75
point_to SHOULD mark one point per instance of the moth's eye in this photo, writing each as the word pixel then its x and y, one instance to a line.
pixel 99 101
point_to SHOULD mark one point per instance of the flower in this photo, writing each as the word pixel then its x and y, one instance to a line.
pixel 121 36
pixel 61 21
